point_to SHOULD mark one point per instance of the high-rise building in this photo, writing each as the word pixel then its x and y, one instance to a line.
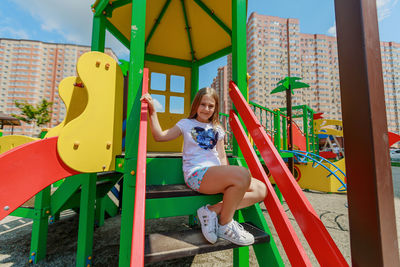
pixel 312 57
pixel 31 71
pixel 219 83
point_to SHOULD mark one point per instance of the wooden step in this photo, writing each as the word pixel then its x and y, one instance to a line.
pixel 172 245
pixel 163 191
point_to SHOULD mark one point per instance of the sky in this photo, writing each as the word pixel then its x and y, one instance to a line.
pixel 61 21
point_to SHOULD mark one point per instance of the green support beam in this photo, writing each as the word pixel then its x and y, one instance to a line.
pixel 157 22
pixel 188 28
pixel 117 34
pixel 223 52
pixel 99 7
pixel 239 52
pixel 214 17
pixel 168 60
pixel 40 225
pixel 136 65
pixel 86 221
pixel 195 81
pixel 98 33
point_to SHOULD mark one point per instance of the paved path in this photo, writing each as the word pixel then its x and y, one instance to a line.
pixel 15 235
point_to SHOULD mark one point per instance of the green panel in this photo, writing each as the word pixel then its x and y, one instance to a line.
pixel 86 221
pixel 168 60
pixel 40 225
pixel 168 207
pixel 65 192
pixel 214 17
pixel 98 33
pixel 162 171
pixel 267 253
pixel 109 206
pixel 24 213
pixel 195 81
pixel 223 52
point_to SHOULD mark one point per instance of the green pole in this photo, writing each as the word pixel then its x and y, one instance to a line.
pixel 194 81
pixel 99 33
pixel 136 65
pixel 239 51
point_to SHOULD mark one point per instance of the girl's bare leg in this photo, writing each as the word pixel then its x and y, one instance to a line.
pixel 239 189
pixel 256 193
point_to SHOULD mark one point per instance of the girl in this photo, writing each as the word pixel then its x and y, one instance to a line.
pixel 206 169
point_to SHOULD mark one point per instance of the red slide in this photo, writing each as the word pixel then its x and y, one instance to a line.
pixel 321 243
pixel 28 169
pixel 393 138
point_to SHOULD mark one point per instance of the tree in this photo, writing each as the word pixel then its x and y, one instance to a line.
pixel 38 114
pixel 287 85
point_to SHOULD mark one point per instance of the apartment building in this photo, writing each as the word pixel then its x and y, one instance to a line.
pixel 276 48
pixel 31 71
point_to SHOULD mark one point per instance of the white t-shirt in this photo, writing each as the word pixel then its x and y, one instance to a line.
pixel 199 145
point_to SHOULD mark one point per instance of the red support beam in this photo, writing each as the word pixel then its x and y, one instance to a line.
pixel 291 243
pixel 372 222
pixel 321 243
pixel 137 252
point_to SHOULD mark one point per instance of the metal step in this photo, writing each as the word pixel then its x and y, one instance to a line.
pixel 172 245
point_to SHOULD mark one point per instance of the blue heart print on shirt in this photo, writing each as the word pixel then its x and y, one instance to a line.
pixel 206 139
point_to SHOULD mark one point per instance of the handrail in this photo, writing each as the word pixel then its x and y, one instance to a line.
pixel 321 243
pixel 304 154
pixel 291 243
pixel 137 250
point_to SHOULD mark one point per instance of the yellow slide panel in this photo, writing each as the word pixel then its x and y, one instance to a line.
pixel 8 142
pixel 75 100
pixel 90 142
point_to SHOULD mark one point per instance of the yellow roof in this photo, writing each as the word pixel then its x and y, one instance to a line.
pixel 170 37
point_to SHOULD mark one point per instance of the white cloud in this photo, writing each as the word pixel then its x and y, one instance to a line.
pixel 332 30
pixel 13 33
pixel 70 19
pixel 385 8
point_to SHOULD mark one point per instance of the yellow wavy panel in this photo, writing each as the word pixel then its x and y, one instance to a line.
pixel 90 142
pixel 8 142
pixel 75 100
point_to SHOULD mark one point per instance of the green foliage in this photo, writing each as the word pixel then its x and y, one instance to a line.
pixel 38 114
pixel 289 83
pixel 124 66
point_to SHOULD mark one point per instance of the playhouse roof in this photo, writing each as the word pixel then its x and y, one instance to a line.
pixel 209 21
pixel 8 120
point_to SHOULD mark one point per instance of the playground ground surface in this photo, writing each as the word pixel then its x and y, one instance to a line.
pixel 61 249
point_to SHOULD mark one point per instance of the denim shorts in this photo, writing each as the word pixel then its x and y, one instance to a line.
pixel 194 180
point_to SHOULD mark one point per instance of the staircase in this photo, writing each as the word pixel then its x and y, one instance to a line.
pixel 177 200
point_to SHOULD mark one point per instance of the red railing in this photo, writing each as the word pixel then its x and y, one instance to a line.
pixel 137 250
pixel 321 243
pixel 291 243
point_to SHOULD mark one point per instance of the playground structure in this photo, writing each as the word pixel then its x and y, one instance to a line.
pixel 89 142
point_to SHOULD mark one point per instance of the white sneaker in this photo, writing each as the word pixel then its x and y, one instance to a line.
pixel 235 233
pixel 209 222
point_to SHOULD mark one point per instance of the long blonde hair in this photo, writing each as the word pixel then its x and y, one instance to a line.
pixel 214 119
